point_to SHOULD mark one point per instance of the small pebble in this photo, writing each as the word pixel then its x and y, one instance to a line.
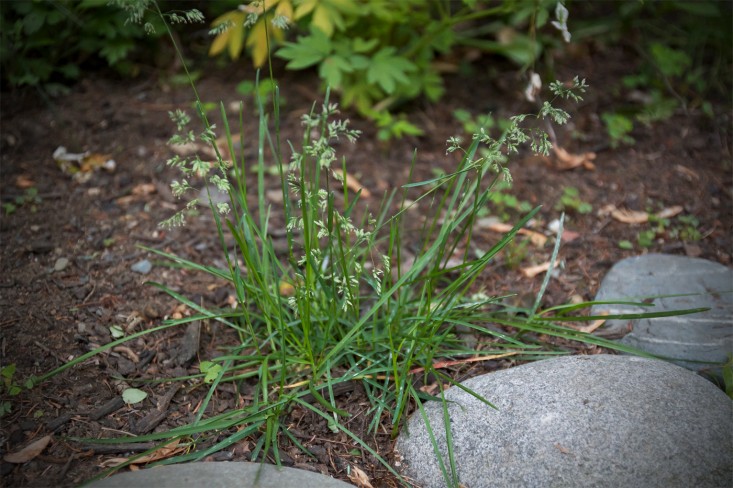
pixel 61 264
pixel 142 267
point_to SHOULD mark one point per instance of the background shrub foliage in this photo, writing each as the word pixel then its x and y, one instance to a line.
pixel 376 54
pixel 47 44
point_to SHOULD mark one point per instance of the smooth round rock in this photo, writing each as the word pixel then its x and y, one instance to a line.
pixel 220 475
pixel 579 421
pixel 692 341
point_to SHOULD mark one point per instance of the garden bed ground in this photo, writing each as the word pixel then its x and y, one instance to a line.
pixel 51 316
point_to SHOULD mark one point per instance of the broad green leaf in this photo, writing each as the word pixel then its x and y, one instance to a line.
pixel 327 15
pixel 8 371
pixel 332 69
pixel 307 51
pixel 671 62
pixel 116 332
pixel 359 62
pixel 211 370
pixel 133 395
pixel 360 45
pixel 387 69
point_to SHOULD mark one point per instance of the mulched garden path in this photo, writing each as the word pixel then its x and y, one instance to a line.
pixel 67 256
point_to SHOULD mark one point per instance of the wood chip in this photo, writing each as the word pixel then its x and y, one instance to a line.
pixel 352 183
pixel 154 418
pixel 189 344
pixel 532 271
pixel 111 406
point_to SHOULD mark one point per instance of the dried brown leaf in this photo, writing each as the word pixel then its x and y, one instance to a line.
pixel 24 181
pixel 536 238
pixel 629 216
pixel 28 452
pixel 359 477
pixel 567 160
pixel 162 453
pixel 669 212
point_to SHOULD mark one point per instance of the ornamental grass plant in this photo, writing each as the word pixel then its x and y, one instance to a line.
pixel 344 304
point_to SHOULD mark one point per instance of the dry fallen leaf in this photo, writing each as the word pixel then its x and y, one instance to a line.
pixel 566 160
pixel 28 452
pixel 359 477
pixel 352 183
pixel 629 216
pixel 532 271
pixel 24 181
pixel 669 212
pixel 162 453
pixel 569 235
pixel 638 217
pixel 537 239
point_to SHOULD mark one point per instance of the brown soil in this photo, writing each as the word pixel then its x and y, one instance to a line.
pixel 49 317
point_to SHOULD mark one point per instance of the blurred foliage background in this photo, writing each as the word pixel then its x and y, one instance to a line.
pixel 377 54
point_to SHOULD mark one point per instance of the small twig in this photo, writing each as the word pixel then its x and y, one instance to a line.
pixel 89 295
pixel 151 420
pixel 128 352
pixel 8 321
pixel 110 407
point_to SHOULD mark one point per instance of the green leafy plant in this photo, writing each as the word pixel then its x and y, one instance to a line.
pixel 29 197
pixel 618 127
pixel 687 229
pixel 392 58
pixel 682 227
pixel 685 48
pixel 504 204
pixel 9 387
pixel 570 200
pixel 47 44
pixel 341 304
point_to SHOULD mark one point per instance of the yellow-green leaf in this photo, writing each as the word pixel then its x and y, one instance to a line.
pixel 323 20
pixel 304 8
pixel 257 40
pixel 232 37
pixel 285 8
pixel 236 39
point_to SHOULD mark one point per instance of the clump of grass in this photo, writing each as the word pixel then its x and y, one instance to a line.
pixel 344 303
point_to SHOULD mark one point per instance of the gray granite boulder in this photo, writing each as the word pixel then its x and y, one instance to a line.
pixel 706 336
pixel 579 421
pixel 220 475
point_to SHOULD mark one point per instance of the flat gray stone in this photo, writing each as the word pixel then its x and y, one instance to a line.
pixel 579 421
pixel 706 336
pixel 220 475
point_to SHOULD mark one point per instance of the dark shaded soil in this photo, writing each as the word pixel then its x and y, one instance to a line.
pixel 49 317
